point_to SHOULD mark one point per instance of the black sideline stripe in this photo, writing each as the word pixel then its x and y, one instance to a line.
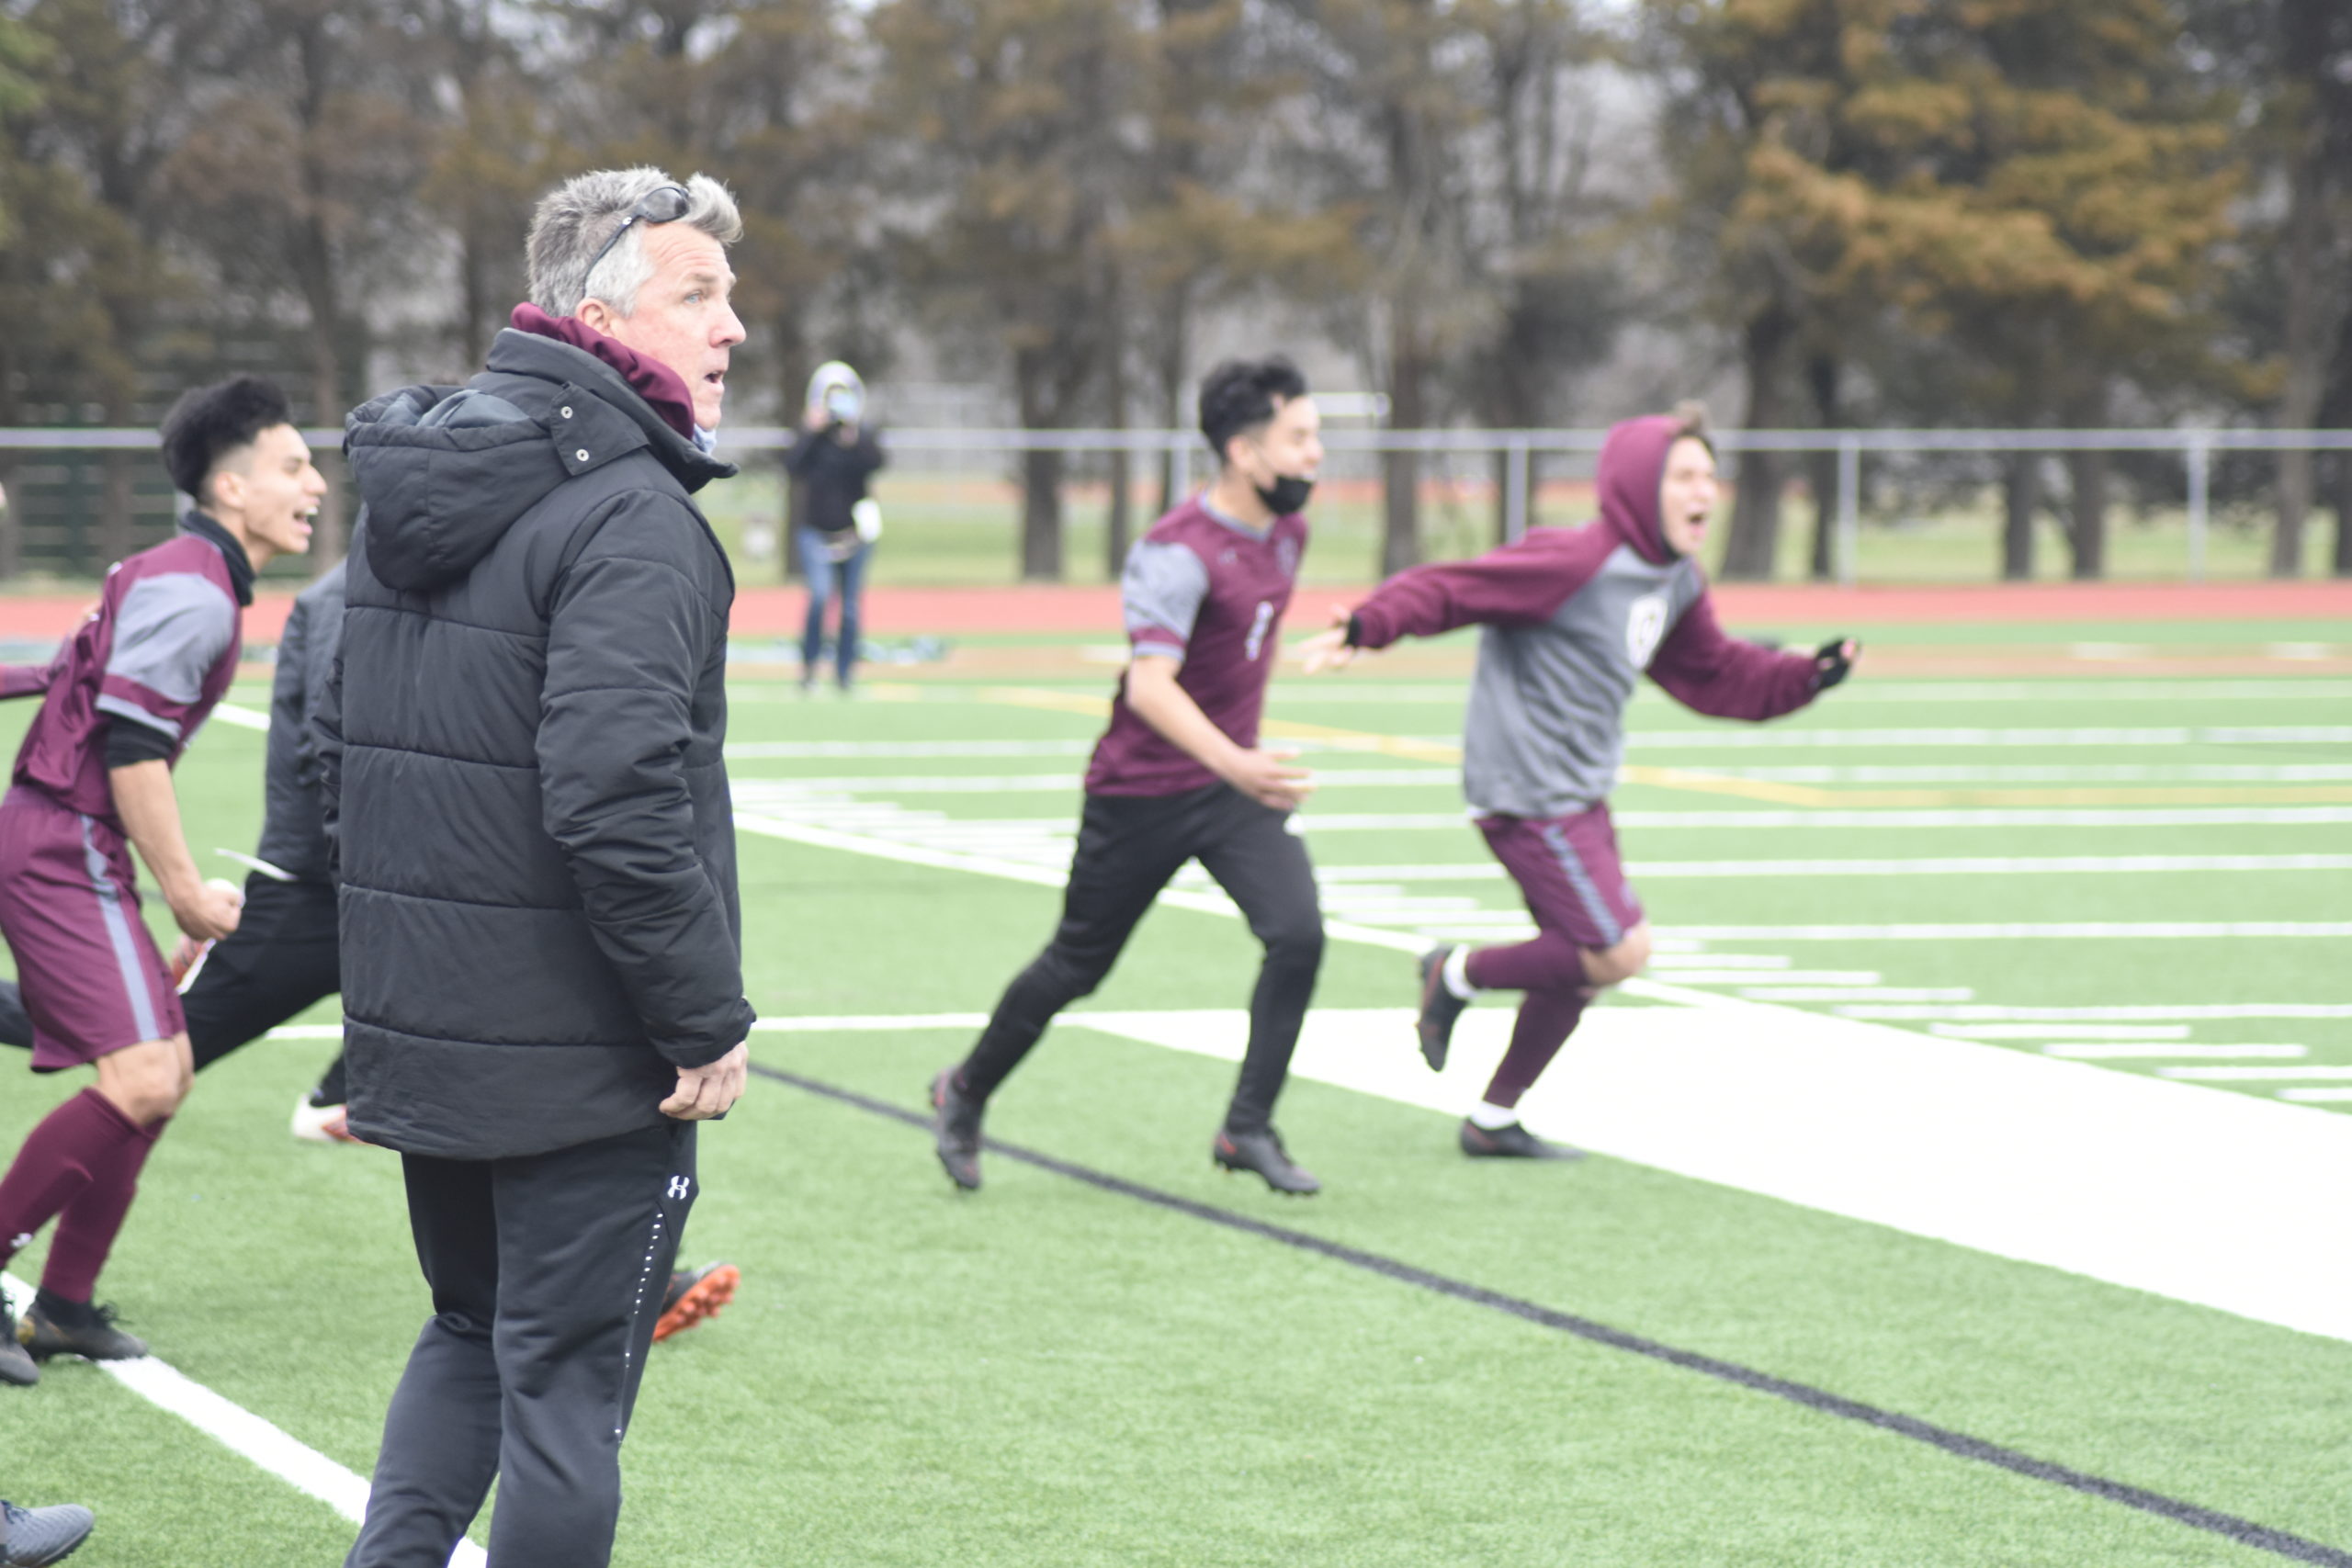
pixel 2245 1532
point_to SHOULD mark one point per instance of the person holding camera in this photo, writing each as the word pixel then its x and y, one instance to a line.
pixel 834 455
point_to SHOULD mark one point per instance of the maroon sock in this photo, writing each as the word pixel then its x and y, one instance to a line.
pixel 86 1229
pixel 74 1144
pixel 1550 961
pixel 1546 1019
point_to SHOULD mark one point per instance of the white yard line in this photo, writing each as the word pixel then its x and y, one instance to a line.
pixel 2025 930
pixel 1877 690
pixel 1988 1012
pixel 2110 1052
pixel 2027 1157
pixel 1318 821
pixel 1845 993
pixel 245 1434
pixel 1793 739
pixel 2060 1031
pixel 2255 1075
pixel 241 717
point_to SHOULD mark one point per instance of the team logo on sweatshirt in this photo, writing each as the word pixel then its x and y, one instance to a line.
pixel 1645 626
pixel 1286 555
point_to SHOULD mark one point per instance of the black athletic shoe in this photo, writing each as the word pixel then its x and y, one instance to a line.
pixel 1439 1008
pixel 1513 1142
pixel 35 1538
pixel 955 1128
pixel 69 1330
pixel 1263 1152
pixel 15 1366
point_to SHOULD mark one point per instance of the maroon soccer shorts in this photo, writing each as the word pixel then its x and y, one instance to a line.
pixel 1566 868
pixel 93 981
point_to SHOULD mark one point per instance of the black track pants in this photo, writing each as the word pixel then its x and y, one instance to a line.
pixel 547 1273
pixel 1128 848
pixel 279 961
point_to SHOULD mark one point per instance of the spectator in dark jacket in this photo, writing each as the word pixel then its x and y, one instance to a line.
pixel 834 455
pixel 541 961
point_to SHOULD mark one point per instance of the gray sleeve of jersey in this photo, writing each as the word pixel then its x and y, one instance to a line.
pixel 169 632
pixel 1161 592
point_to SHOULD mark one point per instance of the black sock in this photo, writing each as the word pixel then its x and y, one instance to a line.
pixel 60 1311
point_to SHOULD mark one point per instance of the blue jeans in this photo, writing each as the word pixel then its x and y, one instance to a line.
pixel 826 576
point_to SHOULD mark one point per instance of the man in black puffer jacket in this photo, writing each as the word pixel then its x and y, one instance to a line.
pixel 541 961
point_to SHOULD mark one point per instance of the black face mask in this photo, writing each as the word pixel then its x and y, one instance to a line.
pixel 1287 495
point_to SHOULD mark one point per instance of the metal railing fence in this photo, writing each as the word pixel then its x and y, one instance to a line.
pixel 1520 450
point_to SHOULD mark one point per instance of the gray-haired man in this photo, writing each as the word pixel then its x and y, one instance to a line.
pixel 542 978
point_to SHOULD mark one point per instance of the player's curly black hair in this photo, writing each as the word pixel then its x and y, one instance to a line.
pixel 1242 393
pixel 209 422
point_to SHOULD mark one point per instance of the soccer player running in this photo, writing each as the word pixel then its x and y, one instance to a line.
pixel 93 778
pixel 1572 618
pixel 1178 775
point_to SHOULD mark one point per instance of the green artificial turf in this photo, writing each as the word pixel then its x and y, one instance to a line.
pixel 1049 1373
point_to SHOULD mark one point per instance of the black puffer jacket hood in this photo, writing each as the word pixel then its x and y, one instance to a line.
pixel 446 470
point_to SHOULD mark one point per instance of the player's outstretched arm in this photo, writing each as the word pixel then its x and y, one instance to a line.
pixel 1330 650
pixel 150 816
pixel 1708 670
pixel 1266 777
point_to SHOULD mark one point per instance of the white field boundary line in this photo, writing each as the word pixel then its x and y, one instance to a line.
pixel 244 1434
pixel 2029 1157
pixel 1973 739
pixel 1940 865
pixel 2034 1157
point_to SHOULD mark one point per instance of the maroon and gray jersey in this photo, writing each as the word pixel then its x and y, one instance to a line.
pixel 159 651
pixel 1573 618
pixel 1210 592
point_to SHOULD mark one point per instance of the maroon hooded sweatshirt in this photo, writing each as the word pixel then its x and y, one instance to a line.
pixel 1573 617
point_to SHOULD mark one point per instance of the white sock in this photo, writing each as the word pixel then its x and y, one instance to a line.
pixel 1457 973
pixel 1492 1117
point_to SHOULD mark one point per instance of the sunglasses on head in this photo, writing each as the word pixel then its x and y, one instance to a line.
pixel 662 204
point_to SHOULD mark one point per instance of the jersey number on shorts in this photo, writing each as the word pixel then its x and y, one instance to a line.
pixel 1258 628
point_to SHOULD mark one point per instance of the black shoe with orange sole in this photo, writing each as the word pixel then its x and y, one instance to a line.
pixel 695 1294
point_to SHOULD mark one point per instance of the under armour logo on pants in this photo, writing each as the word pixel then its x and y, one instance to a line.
pixel 680 1186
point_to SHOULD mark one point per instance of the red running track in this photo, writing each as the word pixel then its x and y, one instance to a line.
pixel 776 611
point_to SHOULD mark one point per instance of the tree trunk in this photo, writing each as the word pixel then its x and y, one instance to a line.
pixel 1041 516
pixel 1400 472
pixel 1119 519
pixel 1821 376
pixel 2342 564
pixel 2087 531
pixel 2308 340
pixel 116 537
pixel 11 532
pixel 2020 508
pixel 1177 316
pixel 1756 505
pixel 1041 473
pixel 326 394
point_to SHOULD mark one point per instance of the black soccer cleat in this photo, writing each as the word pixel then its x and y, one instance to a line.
pixel 955 1129
pixel 15 1366
pixel 1514 1142
pixel 35 1538
pixel 1263 1152
pixel 54 1329
pixel 1439 1008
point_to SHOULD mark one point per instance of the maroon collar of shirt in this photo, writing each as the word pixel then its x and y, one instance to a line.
pixel 663 389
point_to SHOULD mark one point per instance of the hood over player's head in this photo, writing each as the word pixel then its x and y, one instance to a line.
pixel 1267 437
pixel 232 446
pixel 1658 483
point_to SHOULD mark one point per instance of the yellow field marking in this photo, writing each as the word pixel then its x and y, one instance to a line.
pixel 1698 782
